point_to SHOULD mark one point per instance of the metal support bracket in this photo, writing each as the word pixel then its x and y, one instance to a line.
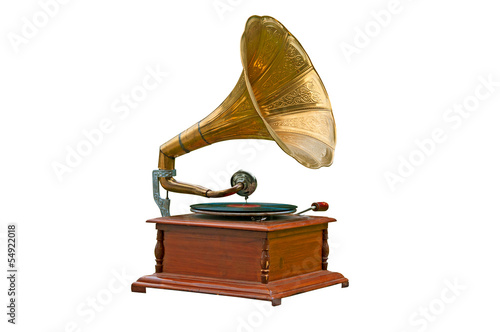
pixel 163 203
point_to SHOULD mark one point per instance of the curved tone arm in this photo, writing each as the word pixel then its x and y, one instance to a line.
pixel 171 184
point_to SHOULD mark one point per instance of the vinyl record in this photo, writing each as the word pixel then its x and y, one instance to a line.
pixel 243 209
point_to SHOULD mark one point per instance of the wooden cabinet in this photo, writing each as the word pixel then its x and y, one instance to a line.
pixel 265 260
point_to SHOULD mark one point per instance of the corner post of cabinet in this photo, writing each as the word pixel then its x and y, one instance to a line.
pixel 159 251
pixel 325 249
pixel 264 261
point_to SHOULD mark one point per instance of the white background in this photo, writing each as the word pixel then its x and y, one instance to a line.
pixel 401 248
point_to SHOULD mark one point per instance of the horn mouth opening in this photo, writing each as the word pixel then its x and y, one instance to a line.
pixel 287 92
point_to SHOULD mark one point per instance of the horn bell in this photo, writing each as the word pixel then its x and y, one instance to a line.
pixel 287 92
pixel 279 96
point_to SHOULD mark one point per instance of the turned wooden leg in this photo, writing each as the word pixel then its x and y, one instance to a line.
pixel 325 250
pixel 159 252
pixel 264 262
pixel 138 289
pixel 276 302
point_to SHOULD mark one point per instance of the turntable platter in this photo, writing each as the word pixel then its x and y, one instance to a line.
pixel 243 209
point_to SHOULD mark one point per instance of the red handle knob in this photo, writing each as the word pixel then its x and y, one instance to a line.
pixel 319 206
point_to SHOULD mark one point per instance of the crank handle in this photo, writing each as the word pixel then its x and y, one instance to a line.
pixel 316 206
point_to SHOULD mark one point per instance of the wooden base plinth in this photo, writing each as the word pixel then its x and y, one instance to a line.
pixel 266 260
pixel 273 291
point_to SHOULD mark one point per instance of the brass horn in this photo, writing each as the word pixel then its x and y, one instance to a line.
pixel 279 97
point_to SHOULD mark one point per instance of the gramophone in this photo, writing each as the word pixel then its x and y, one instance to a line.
pixel 262 251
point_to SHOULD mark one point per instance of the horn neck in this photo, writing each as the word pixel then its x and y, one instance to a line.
pixel 235 118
